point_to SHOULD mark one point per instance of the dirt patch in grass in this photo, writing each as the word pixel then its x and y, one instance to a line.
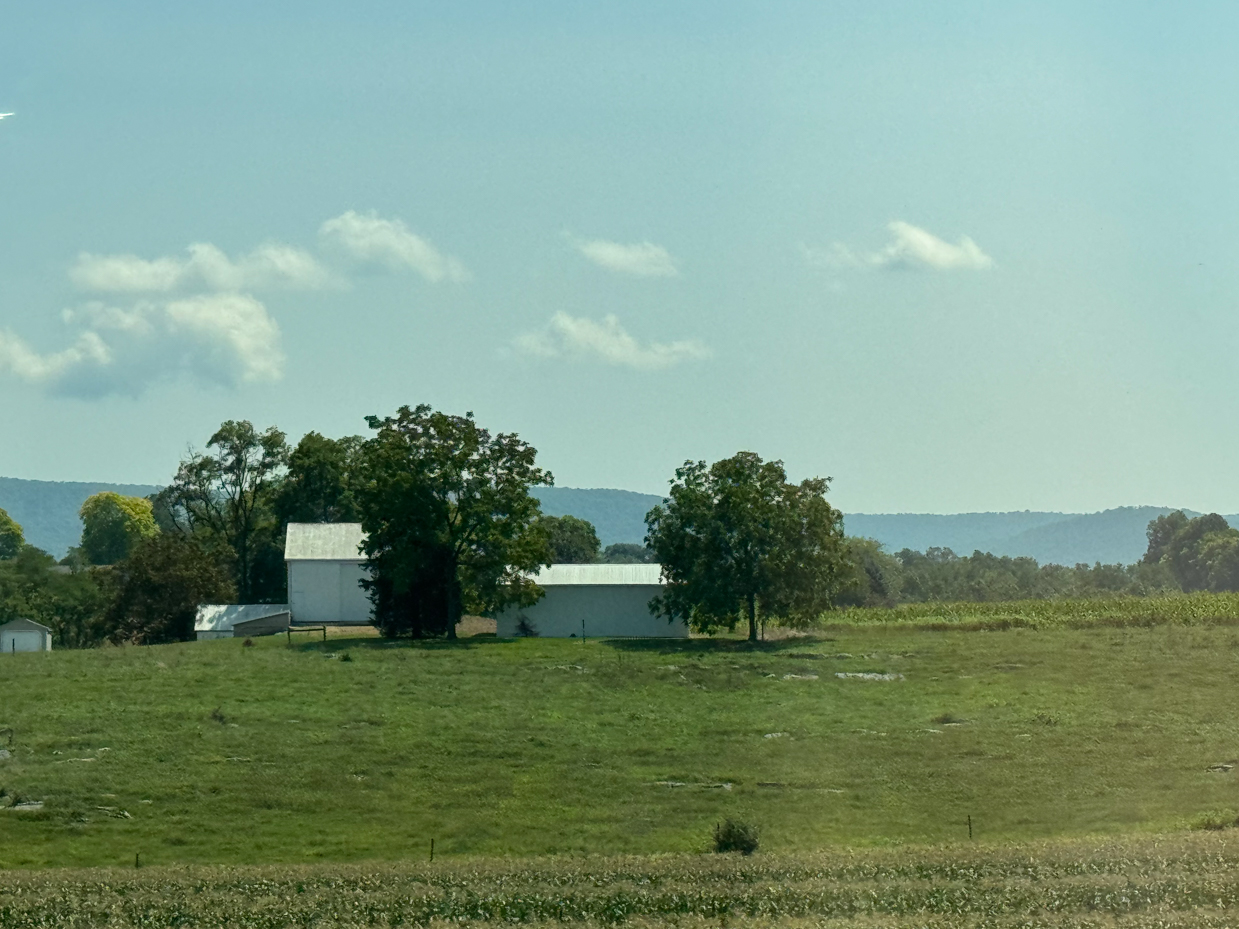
pixel 475 625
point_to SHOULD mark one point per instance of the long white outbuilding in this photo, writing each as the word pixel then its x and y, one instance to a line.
pixel 239 620
pixel 593 600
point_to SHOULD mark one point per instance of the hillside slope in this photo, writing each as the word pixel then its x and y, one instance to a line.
pixel 47 510
pixel 963 533
pixel 1112 537
pixel 617 515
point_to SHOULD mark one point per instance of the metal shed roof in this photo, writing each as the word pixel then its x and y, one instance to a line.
pixel 324 542
pixel 26 625
pixel 213 617
pixel 608 575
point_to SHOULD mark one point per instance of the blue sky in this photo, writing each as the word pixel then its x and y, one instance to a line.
pixel 959 257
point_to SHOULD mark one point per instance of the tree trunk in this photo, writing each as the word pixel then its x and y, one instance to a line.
pixel 453 604
pixel 752 618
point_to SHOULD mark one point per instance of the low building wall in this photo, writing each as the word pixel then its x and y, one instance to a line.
pixel 23 640
pixel 265 625
pixel 602 611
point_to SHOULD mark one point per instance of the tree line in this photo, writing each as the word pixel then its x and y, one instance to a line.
pixel 1184 554
pixel 452 529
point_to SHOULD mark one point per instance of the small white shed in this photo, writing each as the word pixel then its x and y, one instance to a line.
pixel 603 600
pixel 325 568
pixel 25 635
pixel 229 620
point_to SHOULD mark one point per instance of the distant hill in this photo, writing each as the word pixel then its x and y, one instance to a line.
pixel 617 515
pixel 47 510
pixel 963 533
pixel 1112 536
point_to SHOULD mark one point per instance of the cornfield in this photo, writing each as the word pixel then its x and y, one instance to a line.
pixel 1187 879
pixel 1179 609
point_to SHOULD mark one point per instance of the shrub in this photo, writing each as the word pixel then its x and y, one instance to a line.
pixel 1216 821
pixel 732 835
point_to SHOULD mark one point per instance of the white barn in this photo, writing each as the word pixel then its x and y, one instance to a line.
pixel 239 620
pixel 25 635
pixel 603 600
pixel 325 567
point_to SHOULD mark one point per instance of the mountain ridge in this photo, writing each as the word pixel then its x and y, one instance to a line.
pixel 47 511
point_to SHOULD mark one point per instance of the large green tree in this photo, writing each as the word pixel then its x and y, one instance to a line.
pixel 873 577
pixel 572 540
pixel 155 592
pixel 628 553
pixel 737 541
pixel 11 537
pixel 1201 553
pixel 112 524
pixel 225 498
pixel 319 485
pixel 450 523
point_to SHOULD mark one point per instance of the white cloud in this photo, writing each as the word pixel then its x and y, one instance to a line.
pixel 268 266
pixel 389 242
pixel 570 336
pixel 643 259
pixel 911 247
pixel 20 360
pixel 227 339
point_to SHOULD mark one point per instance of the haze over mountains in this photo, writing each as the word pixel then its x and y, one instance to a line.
pixel 47 511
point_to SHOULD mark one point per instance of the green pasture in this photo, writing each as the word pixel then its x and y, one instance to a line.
pixel 362 749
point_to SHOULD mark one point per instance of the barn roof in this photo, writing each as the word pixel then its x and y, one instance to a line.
pixel 214 617
pixel 24 625
pixel 324 542
pixel 608 575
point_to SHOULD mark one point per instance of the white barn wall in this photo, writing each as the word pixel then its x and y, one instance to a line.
pixel 607 611
pixel 328 592
pixel 22 642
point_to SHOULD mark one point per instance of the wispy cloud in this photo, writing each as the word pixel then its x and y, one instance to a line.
pixel 910 247
pixel 369 238
pixel 271 266
pixel 224 339
pixel 607 341
pixel 198 317
pixel 642 259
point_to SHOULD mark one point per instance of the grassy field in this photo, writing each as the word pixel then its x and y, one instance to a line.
pixel 366 750
pixel 1158 883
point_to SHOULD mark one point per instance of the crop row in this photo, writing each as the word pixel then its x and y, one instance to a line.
pixel 1140 882
pixel 1192 609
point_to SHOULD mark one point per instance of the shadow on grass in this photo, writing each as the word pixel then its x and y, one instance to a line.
pixel 378 643
pixel 668 646
pixel 706 646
